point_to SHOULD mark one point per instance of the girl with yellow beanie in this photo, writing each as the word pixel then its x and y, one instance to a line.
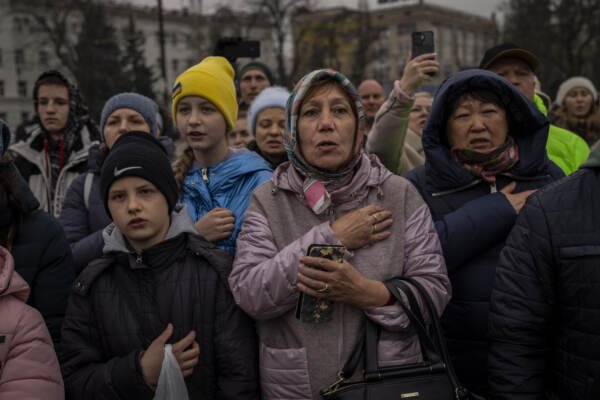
pixel 215 181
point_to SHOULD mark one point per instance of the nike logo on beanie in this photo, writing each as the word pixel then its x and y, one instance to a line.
pixel 118 172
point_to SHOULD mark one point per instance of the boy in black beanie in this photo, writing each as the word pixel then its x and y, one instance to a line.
pixel 157 283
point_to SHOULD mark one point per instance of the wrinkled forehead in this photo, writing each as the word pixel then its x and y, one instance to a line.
pixel 505 64
pixel 320 91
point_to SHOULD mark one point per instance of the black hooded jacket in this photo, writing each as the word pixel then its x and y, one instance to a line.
pixel 41 252
pixel 121 302
pixel 472 218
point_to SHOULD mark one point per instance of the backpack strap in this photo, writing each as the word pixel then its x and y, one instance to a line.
pixel 87 188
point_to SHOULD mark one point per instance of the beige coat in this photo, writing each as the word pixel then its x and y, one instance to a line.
pixel 398 148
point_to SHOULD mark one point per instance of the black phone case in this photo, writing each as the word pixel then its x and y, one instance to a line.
pixel 311 309
pixel 422 43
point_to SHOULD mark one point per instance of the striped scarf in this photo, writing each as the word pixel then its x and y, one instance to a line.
pixel 486 164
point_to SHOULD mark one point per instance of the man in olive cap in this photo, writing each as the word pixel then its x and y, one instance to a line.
pixel 517 65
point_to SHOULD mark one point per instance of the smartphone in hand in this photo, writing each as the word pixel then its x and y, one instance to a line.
pixel 422 43
pixel 311 309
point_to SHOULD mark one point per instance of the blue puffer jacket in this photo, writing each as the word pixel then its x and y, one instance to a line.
pixel 230 184
pixel 472 218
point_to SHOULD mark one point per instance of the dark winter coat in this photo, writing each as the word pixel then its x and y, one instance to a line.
pixel 122 302
pixel 42 256
pixel 471 218
pixel 83 224
pixel 545 305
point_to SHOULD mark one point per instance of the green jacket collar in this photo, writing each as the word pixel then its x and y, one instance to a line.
pixel 540 104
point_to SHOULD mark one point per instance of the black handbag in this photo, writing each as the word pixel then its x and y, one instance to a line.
pixel 433 378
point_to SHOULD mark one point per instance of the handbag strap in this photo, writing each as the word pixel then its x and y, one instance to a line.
pixel 430 350
pixel 352 363
pixel 460 391
pixel 367 343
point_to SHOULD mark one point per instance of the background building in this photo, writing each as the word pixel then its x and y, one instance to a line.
pixel 27 48
pixel 385 36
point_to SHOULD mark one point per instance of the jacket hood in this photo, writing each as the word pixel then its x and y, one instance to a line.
pixel 28 201
pixel 370 173
pixel 527 125
pixel 181 222
pixel 11 282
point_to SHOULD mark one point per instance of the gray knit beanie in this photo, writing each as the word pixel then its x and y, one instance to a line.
pixel 142 104
pixel 274 96
pixel 576 81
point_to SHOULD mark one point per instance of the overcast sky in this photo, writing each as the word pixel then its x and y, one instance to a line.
pixel 481 7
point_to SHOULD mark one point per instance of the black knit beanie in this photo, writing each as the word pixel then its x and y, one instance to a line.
pixel 139 154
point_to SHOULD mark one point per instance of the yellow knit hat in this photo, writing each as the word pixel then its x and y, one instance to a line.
pixel 212 79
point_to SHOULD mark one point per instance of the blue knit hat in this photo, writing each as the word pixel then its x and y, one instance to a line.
pixel 4 137
pixel 274 96
pixel 142 104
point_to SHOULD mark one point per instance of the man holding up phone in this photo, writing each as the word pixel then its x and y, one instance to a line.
pixel 517 65
pixel 388 137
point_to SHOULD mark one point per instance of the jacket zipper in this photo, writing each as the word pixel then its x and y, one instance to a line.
pixel 205 175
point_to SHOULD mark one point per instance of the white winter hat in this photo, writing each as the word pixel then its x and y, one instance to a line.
pixel 274 96
pixel 576 81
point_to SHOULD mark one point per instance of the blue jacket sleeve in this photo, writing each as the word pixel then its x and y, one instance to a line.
pixel 474 227
pixel 521 309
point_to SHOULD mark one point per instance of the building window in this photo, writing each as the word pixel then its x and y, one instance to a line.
pixel 383 33
pixel 404 47
pixel 175 66
pixel 22 89
pixel 24 116
pixel 2 88
pixel 174 39
pixel 380 73
pixel 19 57
pixel 43 58
pixel 470 48
pixel 18 24
pixel 3 116
pixel 405 29
pixel 0 57
pixel 460 49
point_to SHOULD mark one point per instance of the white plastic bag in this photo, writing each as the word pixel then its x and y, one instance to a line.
pixel 171 385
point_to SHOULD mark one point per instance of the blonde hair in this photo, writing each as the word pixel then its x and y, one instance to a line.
pixel 182 165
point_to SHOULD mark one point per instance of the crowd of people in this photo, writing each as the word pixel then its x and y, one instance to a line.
pixel 120 247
